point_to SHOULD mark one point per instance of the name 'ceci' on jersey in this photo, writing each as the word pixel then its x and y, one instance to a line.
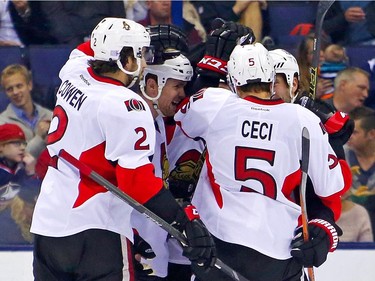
pixel 256 129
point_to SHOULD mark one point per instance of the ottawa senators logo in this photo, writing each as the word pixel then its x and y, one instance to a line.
pixel 134 104
pixel 185 166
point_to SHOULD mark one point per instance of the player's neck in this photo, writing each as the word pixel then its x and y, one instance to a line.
pixel 260 95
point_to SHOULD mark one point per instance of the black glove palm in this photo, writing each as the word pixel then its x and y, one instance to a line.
pixel 323 239
pixel 220 44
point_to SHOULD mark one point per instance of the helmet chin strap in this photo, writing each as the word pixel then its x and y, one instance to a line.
pixel 154 100
pixel 134 74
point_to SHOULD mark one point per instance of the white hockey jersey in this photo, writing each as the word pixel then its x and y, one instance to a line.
pixel 103 124
pixel 244 193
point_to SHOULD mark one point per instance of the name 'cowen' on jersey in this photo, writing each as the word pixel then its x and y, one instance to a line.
pixel 71 94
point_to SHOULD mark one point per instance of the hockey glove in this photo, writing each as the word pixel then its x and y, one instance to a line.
pixel 336 123
pixel 219 45
pixel 201 247
pixel 167 36
pixel 324 238
pixel 142 248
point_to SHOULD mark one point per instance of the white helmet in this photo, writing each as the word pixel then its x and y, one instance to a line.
pixel 250 64
pixel 112 34
pixel 285 63
pixel 177 67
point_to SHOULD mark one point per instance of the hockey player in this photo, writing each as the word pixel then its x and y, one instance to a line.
pixel 162 87
pixel 337 124
pixel 245 191
pixel 100 121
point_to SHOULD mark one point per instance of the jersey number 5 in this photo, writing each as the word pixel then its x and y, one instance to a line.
pixel 243 173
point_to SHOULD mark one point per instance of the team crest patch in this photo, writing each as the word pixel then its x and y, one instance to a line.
pixel 134 104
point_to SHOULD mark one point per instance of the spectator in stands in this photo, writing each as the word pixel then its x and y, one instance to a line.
pixel 8 34
pixel 191 16
pixel 351 22
pixel 304 58
pixel 351 89
pixel 354 221
pixel 71 22
pixel 335 60
pixel 360 155
pixel 17 168
pixel 159 12
pixel 34 119
pixel 29 22
pixel 245 12
pixel 135 10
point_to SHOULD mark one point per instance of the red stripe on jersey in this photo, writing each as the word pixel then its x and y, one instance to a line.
pixel 129 260
pixel 263 101
pixel 215 187
pixel 334 201
pixel 86 48
pixel 291 182
pixel 95 159
pixel 140 183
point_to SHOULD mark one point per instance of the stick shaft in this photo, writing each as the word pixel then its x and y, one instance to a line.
pixel 302 195
pixel 87 171
pixel 322 9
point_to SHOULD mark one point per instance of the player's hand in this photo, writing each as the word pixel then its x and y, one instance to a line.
pixel 220 44
pixel 324 238
pixel 201 247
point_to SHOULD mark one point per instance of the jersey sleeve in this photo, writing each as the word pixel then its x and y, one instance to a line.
pixel 196 115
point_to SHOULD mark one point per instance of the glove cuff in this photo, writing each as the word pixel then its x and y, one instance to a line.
pixel 213 64
pixel 330 230
pixel 191 212
pixel 336 122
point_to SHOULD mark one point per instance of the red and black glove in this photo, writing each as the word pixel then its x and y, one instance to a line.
pixel 201 247
pixel 220 44
pixel 337 124
pixel 324 238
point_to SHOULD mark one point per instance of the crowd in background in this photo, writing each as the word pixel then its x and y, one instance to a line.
pixel 346 88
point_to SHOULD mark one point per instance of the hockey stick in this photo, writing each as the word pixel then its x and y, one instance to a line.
pixel 302 190
pixel 323 7
pixel 87 171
